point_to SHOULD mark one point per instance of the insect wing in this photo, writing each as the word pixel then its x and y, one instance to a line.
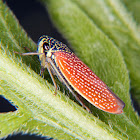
pixel 86 83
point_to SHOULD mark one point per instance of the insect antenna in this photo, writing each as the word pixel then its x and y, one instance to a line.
pixel 29 53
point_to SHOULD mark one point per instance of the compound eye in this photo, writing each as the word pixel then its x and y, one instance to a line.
pixel 46 47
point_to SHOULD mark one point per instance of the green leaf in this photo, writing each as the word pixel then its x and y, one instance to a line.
pixel 94 47
pixel 112 18
pixel 39 111
pixel 134 8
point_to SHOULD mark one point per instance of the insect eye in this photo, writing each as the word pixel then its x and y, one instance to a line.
pixel 46 46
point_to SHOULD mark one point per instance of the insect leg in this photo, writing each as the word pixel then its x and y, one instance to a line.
pixel 49 70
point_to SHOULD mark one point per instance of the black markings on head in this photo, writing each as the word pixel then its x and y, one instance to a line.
pixel 46 46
